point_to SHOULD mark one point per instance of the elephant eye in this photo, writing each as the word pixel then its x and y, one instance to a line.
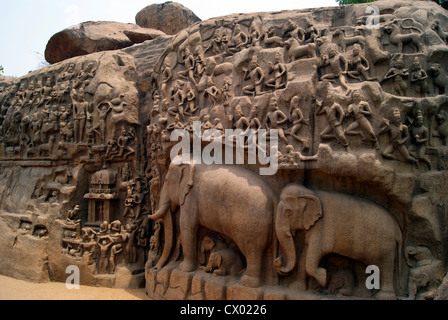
pixel 288 212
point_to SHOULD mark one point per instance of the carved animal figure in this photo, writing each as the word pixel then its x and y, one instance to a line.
pixel 224 262
pixel 297 51
pixel 200 191
pixel 339 224
pixel 426 273
pixel 343 41
pixel 46 148
pixel 440 78
pixel 438 29
pixel 399 39
pixel 442 128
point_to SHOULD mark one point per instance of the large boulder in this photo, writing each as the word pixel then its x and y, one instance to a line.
pixel 170 17
pixel 91 37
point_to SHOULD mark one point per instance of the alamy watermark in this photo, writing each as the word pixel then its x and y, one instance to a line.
pixel 73 281
pixel 250 147
pixel 373 20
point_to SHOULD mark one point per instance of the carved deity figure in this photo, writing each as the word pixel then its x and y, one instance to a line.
pixel 100 127
pixel 298 120
pixel 420 135
pixel 275 119
pixel 335 115
pixel 178 96
pixel 359 65
pixel 130 251
pixel 361 111
pixel 167 75
pixel 279 69
pixel 256 76
pixel 419 78
pixel 398 73
pixel 80 109
pixel 338 66
pixel 399 135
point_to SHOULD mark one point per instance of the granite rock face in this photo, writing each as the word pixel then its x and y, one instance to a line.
pixel 170 17
pixel 348 110
pixel 91 37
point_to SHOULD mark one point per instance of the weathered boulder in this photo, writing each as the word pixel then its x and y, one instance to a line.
pixel 90 37
pixel 170 17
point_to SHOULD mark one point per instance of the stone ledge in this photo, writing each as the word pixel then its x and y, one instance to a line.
pixel 171 284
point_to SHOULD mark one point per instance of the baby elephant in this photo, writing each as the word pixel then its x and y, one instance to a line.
pixel 224 262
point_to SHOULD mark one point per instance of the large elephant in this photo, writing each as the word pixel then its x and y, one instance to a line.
pixel 226 199
pixel 339 224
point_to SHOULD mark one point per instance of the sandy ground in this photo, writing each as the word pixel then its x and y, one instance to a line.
pixel 13 289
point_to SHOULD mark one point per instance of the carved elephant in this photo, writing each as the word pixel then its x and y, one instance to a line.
pixel 426 273
pixel 339 224
pixel 230 200
pixel 224 262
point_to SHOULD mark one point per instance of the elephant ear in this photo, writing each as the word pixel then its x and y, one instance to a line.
pixel 312 210
pixel 186 181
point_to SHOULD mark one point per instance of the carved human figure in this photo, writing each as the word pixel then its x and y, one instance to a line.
pixel 275 119
pixel 238 40
pixel 130 250
pixel 80 109
pixel 419 78
pixel 212 93
pixel 112 146
pixel 338 66
pixel 256 76
pixel 227 91
pixel 361 110
pixel 189 63
pixel 359 65
pixel 399 135
pixel 420 136
pixel 73 215
pixel 219 42
pixel 199 64
pixel 114 252
pixel 311 32
pixel 255 33
pixel 335 115
pixel 190 100
pixel 279 70
pixel 103 263
pixel 100 127
pixel 178 96
pixel 398 73
pixel 123 143
pixel 298 120
pixel 167 75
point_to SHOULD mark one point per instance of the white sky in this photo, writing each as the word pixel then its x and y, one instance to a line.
pixel 27 25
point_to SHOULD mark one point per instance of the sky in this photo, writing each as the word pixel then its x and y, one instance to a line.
pixel 27 25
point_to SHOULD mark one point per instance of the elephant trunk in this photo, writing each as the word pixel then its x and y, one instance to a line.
pixel 287 246
pixel 164 207
pixel 160 214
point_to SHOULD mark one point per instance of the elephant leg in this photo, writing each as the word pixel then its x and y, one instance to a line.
pixel 386 267
pixel 313 256
pixel 188 229
pixel 251 277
